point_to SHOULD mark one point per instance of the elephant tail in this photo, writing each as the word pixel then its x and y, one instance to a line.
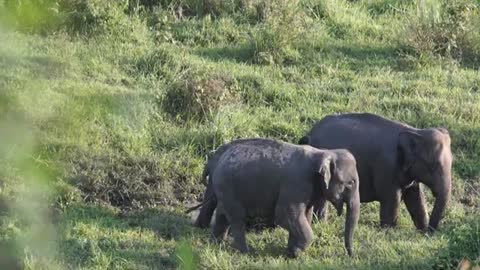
pixel 304 140
pixel 205 173
pixel 193 208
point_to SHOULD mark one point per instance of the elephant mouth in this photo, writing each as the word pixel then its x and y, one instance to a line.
pixel 339 206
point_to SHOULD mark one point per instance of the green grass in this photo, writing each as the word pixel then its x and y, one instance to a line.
pixel 108 112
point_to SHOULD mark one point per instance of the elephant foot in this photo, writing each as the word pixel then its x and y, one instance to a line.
pixel 293 252
pixel 431 229
pixel 202 224
pixel 242 248
pixel 218 239
pixel 321 216
pixel 423 229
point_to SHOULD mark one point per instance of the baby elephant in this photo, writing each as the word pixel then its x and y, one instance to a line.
pixel 280 181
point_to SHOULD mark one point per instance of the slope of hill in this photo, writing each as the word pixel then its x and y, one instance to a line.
pixel 108 110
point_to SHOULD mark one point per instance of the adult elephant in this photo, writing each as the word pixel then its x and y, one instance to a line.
pixel 392 159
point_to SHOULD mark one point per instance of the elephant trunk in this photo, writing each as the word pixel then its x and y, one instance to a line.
pixel 442 193
pixel 353 213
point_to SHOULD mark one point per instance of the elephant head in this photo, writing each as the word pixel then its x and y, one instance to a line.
pixel 341 185
pixel 425 156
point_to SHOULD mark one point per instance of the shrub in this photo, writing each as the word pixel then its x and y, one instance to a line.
pixel 463 243
pixel 159 63
pixel 274 41
pixel 75 16
pixel 32 15
pixel 343 19
pixel 197 96
pixel 441 28
pixel 201 32
pixel 199 8
pixel 103 17
pixel 380 7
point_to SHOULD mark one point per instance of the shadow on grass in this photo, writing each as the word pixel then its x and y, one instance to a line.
pixel 355 57
pixel 39 66
pixel 365 57
pixel 91 232
pixel 169 225
pixel 240 54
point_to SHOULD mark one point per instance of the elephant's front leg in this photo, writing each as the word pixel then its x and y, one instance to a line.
pixel 309 214
pixel 300 236
pixel 389 209
pixel 321 209
pixel 415 202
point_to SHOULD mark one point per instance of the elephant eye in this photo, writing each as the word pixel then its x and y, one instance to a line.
pixel 350 183
pixel 434 166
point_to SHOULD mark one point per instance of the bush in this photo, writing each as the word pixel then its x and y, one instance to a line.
pixel 74 16
pixel 159 63
pixel 102 17
pixel 199 8
pixel 274 41
pixel 463 243
pixel 202 32
pixel 198 96
pixel 32 15
pixel 343 19
pixel 442 28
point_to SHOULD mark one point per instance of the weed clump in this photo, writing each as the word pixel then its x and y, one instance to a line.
pixel 31 16
pixel 198 97
pixel 105 17
pixel 274 41
pixel 159 63
pixel 443 29
pixel 464 243
pixel 134 182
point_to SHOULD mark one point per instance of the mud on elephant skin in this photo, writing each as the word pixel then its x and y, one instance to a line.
pixel 392 159
pixel 279 181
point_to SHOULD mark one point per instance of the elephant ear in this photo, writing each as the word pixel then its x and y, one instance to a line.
pixel 443 130
pixel 327 166
pixel 408 142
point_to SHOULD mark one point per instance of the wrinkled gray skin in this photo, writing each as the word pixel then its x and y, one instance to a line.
pixel 280 181
pixel 209 203
pixel 392 159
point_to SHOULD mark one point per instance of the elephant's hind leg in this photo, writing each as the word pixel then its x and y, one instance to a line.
pixel 236 216
pixel 220 227
pixel 415 203
pixel 206 211
pixel 238 233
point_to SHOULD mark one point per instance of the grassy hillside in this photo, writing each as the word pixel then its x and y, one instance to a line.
pixel 108 110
